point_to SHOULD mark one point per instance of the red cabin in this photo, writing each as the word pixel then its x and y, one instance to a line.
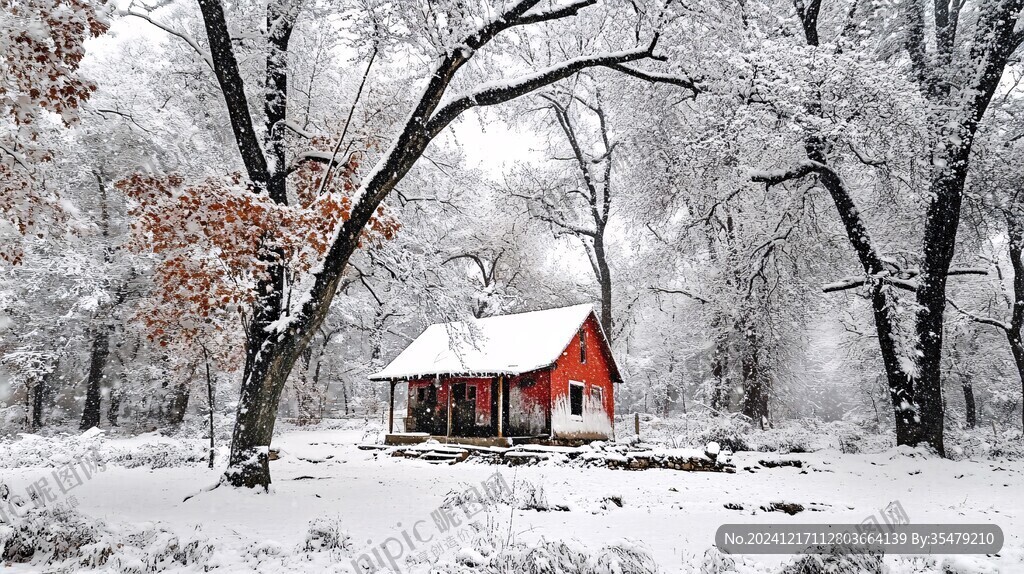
pixel 552 373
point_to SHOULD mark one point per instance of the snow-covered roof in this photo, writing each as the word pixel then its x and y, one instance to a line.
pixel 506 344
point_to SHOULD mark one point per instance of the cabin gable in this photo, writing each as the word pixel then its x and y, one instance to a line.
pixel 582 387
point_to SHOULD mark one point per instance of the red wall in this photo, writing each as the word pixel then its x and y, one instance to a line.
pixel 595 372
pixel 483 393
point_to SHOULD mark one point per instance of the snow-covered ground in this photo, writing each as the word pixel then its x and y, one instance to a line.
pixel 323 478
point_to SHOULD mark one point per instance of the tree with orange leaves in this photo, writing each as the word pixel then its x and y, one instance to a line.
pixel 43 43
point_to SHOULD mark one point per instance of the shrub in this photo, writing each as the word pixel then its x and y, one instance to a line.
pixel 326 534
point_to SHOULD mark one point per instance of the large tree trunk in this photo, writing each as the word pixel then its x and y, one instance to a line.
pixel 942 220
pixel 97 364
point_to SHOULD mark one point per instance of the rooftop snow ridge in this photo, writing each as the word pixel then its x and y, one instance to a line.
pixel 504 344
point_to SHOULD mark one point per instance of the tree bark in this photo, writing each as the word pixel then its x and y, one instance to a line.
pixel 605 279
pixel 114 407
pixel 39 393
pixel 719 375
pixel 97 364
pixel 970 406
pixel 177 406
pixel 755 389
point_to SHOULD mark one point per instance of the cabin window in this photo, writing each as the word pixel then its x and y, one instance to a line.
pixel 421 394
pixel 471 394
pixel 583 346
pixel 576 399
pixel 597 395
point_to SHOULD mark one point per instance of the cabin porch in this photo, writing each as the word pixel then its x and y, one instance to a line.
pixel 400 439
pixel 483 411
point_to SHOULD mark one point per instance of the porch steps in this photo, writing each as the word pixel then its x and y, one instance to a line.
pixel 442 457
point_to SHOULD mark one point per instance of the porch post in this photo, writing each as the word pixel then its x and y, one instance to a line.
pixel 501 405
pixel 391 409
pixel 448 395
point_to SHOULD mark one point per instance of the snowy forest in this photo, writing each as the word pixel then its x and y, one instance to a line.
pixel 798 223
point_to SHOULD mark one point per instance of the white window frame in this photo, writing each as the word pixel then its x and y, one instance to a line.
pixel 583 403
pixel 600 391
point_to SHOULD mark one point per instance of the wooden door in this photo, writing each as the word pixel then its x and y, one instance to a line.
pixel 463 409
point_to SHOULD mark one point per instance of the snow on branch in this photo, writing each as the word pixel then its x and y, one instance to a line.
pixel 659 78
pixel 554 13
pixel 497 92
pixel 685 292
pixel 176 33
pixel 298 130
pixel 979 319
pixel 777 176
pixel 903 281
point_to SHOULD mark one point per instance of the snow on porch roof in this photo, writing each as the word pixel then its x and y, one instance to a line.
pixel 506 344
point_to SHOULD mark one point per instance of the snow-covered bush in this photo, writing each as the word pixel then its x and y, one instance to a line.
pixel 526 495
pixel 53 535
pixel 984 442
pixel 837 563
pixel 13 417
pixel 63 539
pixel 556 557
pixel 34 450
pixel 715 562
pixel 163 454
pixel 728 431
pixel 325 534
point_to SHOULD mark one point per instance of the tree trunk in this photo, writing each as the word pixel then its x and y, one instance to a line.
pixel 177 406
pixel 97 363
pixel 1017 349
pixel 942 220
pixel 1015 229
pixel 605 279
pixel 265 374
pixel 114 408
pixel 39 391
pixel 209 402
pixel 755 391
pixel 969 404
pixel 719 375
